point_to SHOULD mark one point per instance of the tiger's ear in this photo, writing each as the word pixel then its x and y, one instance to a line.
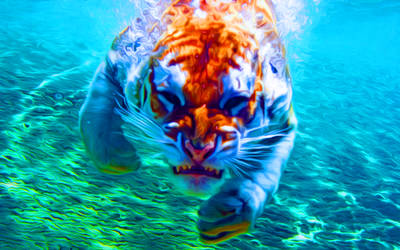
pixel 121 36
pixel 127 41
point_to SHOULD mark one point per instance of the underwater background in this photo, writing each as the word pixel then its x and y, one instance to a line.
pixel 341 186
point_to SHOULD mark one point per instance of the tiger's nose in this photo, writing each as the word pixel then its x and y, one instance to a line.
pixel 198 154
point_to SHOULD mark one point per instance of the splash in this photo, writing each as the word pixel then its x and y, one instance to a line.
pixel 290 17
pixel 209 37
pixel 154 17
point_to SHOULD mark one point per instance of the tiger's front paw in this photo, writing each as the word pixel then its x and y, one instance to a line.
pixel 114 156
pixel 117 162
pixel 116 169
pixel 230 212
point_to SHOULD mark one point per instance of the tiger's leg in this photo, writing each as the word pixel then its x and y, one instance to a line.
pixel 100 126
pixel 235 208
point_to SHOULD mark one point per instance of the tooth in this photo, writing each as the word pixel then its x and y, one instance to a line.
pixel 172 125
pixel 179 169
pixel 217 172
pixel 185 167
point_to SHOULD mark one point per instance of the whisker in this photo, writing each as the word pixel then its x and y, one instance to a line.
pixel 233 168
pixel 139 139
pixel 145 134
pixel 139 118
pixel 260 147
pixel 143 128
pixel 264 130
pixel 141 121
pixel 260 138
pixel 242 171
pixel 133 111
pixel 245 163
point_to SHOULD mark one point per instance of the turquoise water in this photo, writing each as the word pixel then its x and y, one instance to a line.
pixel 340 189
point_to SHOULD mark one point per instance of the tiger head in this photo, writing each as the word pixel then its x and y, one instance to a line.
pixel 196 101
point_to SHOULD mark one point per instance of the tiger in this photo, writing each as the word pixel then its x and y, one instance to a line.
pixel 212 99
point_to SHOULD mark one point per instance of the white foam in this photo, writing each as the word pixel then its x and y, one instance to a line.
pixel 288 12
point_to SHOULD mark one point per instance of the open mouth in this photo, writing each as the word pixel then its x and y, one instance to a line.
pixel 198 170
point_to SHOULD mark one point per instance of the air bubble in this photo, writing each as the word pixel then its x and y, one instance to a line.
pixel 58 96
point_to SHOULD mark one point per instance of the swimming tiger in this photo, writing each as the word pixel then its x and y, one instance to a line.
pixel 212 99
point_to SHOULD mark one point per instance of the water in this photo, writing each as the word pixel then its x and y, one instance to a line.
pixel 340 189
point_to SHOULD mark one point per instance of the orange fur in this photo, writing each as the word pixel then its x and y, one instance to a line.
pixel 207 48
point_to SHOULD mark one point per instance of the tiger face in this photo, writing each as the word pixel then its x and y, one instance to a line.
pixel 205 121
pixel 195 101
pixel 202 130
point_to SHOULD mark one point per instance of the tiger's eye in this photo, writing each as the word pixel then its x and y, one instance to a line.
pixel 235 102
pixel 170 97
pixel 273 68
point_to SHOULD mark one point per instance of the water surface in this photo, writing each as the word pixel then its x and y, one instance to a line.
pixel 340 189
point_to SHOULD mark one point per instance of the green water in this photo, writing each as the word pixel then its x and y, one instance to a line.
pixel 340 189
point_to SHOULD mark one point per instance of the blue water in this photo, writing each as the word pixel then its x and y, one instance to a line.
pixel 340 189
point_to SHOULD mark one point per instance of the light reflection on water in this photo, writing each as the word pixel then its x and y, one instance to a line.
pixel 340 189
